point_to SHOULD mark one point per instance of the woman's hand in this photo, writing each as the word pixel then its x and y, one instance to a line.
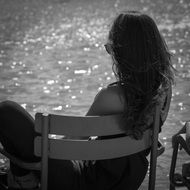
pixel 181 131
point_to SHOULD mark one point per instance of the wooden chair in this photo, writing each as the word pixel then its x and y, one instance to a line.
pixel 74 126
pixel 178 179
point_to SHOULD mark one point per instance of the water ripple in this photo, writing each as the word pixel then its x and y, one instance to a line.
pixel 52 57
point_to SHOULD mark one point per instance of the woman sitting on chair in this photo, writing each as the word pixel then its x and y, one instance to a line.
pixel 142 66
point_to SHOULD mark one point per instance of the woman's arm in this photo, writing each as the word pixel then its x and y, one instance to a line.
pixel 166 105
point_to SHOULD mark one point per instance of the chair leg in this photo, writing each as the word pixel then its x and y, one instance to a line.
pixel 172 187
pixel 187 185
pixel 173 165
pixel 3 182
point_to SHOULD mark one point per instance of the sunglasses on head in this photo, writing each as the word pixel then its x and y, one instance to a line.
pixel 108 48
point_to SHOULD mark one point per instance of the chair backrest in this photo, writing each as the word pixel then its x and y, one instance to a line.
pixel 76 130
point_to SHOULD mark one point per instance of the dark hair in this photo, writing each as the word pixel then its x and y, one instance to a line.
pixel 141 61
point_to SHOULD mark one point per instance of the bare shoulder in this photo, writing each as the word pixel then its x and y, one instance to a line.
pixel 109 100
pixel 111 93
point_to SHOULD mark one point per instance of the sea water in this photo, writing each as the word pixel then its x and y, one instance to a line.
pixel 52 58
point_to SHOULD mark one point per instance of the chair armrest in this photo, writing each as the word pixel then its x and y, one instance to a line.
pixel 181 139
pixel 160 149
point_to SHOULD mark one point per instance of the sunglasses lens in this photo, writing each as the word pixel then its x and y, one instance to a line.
pixel 108 48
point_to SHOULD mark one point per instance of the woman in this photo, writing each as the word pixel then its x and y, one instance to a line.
pixel 142 66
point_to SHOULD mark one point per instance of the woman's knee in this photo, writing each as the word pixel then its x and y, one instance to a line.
pixel 8 108
pixel 8 103
pixel 11 107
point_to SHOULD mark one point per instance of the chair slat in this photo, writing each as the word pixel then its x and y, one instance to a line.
pixel 82 125
pixel 94 149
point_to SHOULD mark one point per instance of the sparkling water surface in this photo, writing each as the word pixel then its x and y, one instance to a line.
pixel 52 57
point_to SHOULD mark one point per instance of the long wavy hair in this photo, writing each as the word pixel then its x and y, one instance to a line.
pixel 141 63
